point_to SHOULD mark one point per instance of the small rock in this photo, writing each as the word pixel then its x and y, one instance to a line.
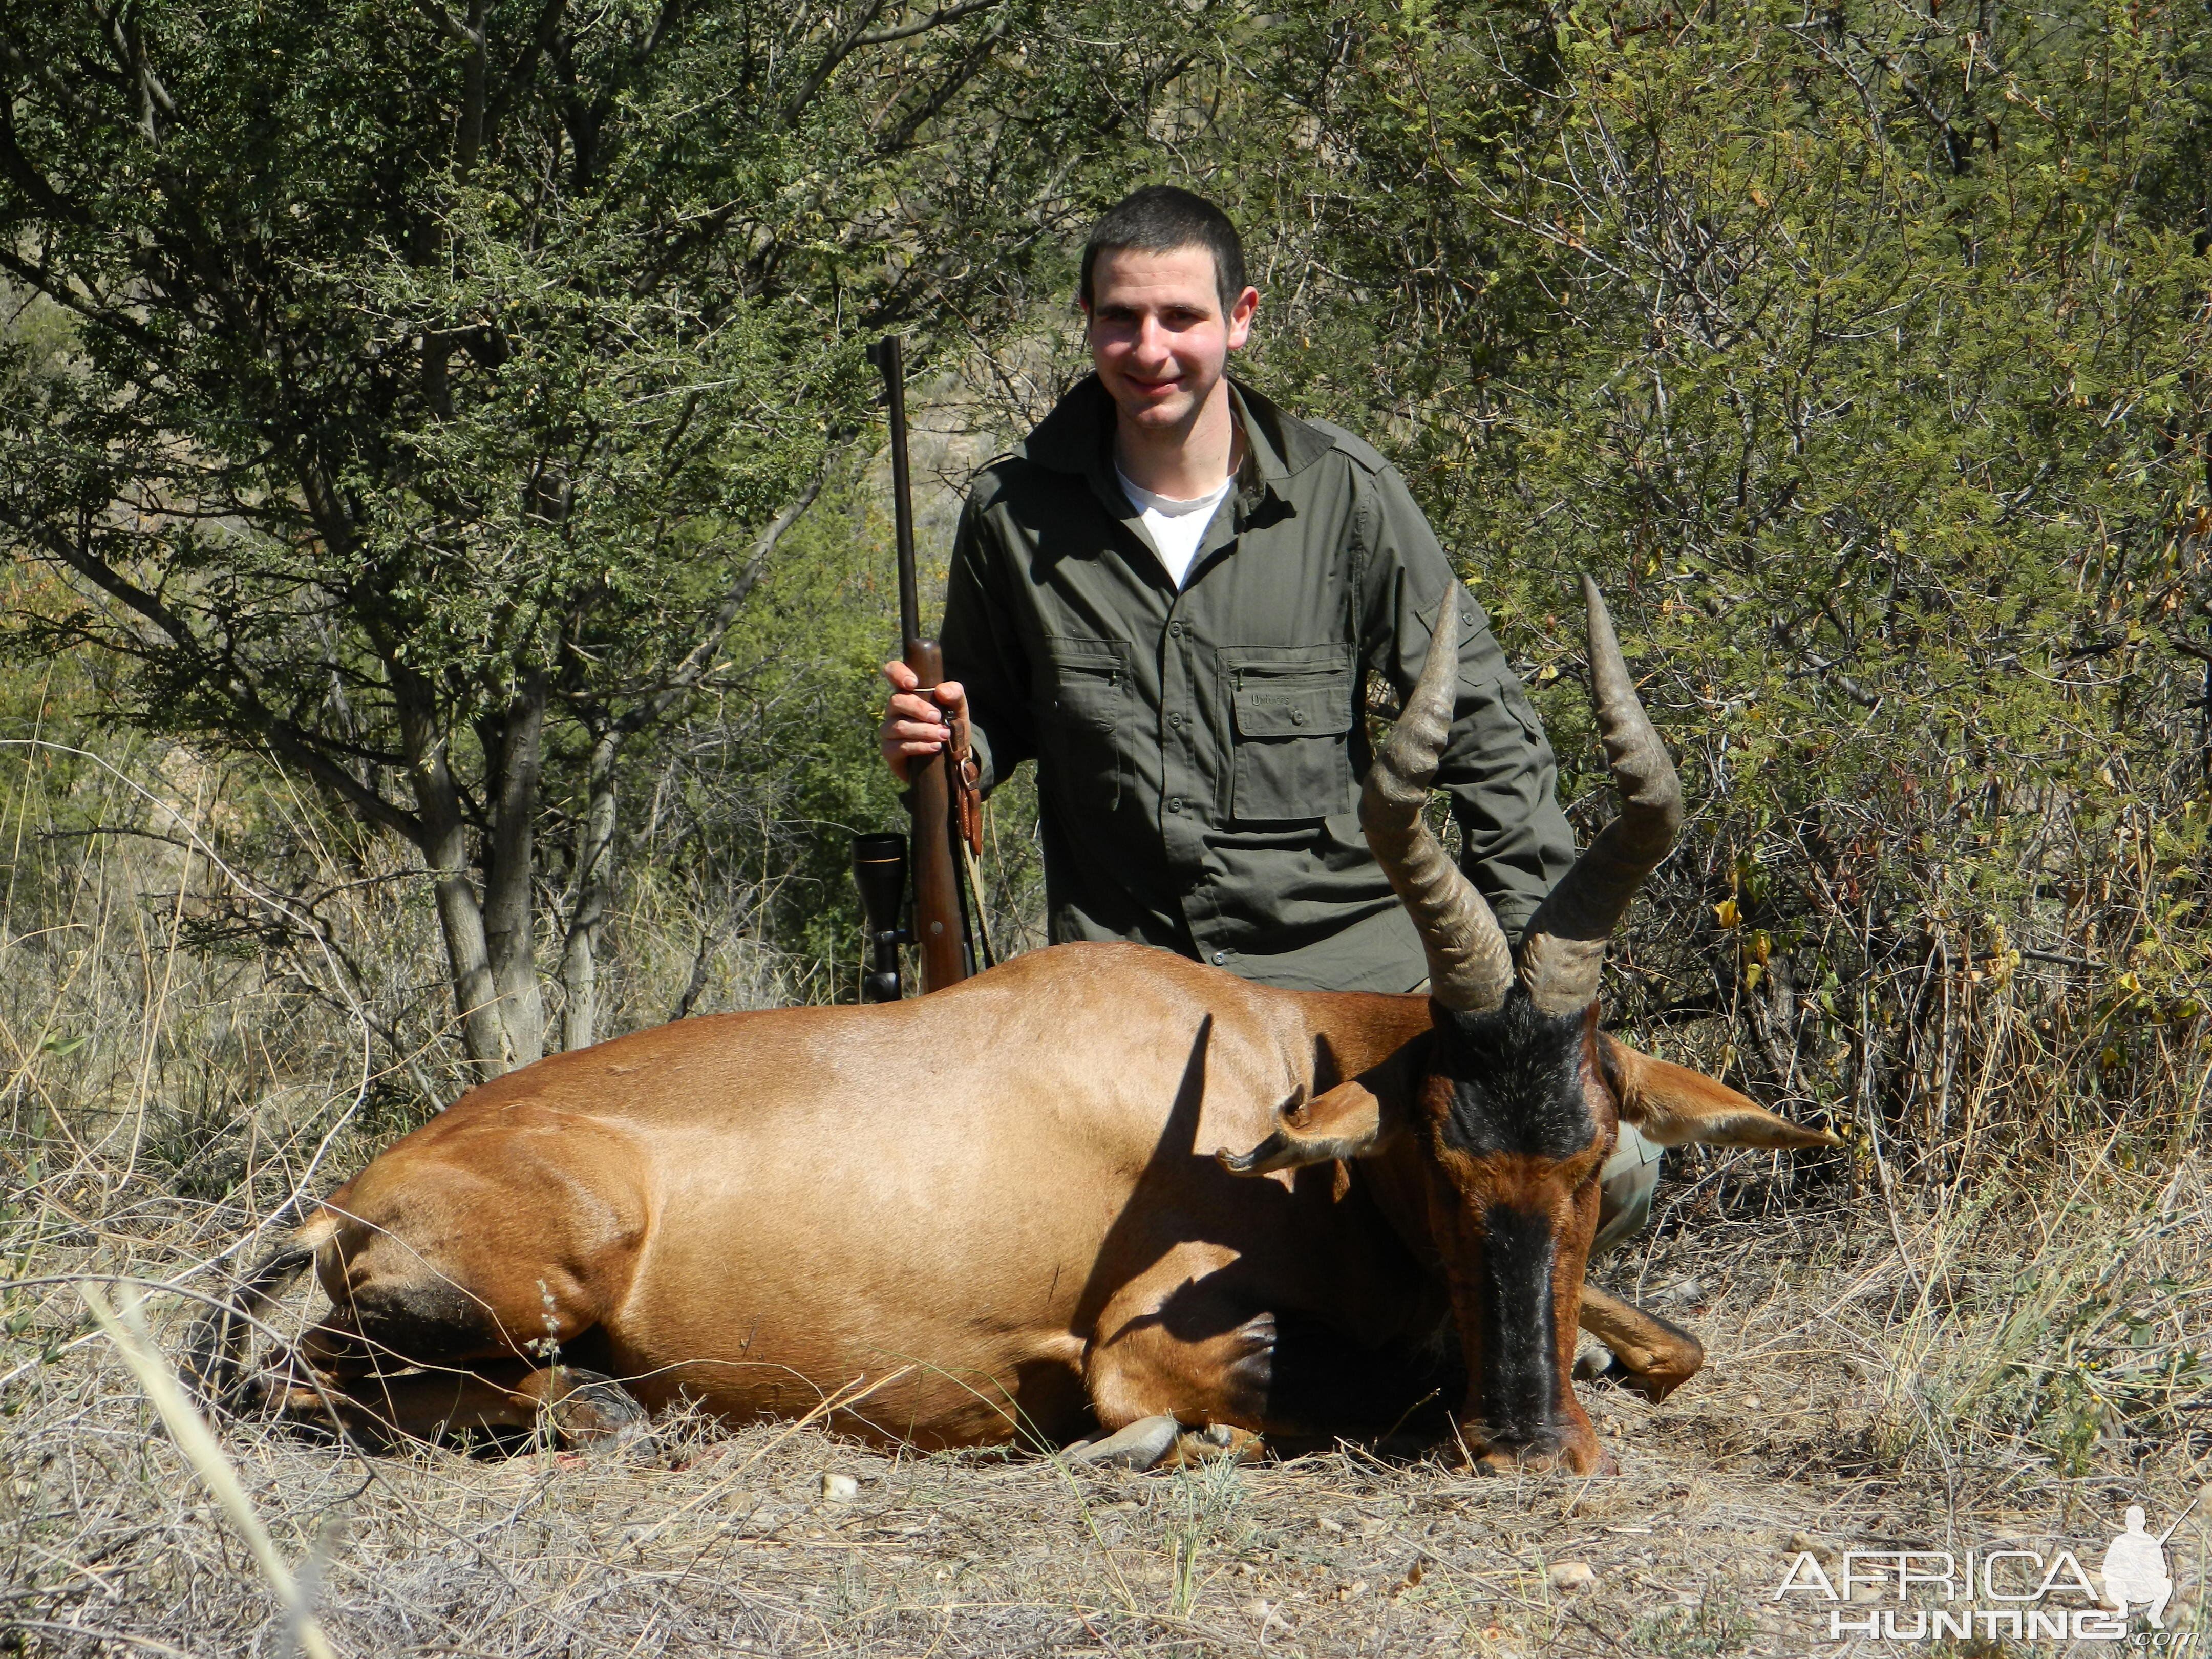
pixel 1327 1525
pixel 1686 1290
pixel 839 1488
pixel 1572 1576
pixel 1751 1402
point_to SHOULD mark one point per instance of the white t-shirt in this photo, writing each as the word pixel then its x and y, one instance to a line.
pixel 1176 527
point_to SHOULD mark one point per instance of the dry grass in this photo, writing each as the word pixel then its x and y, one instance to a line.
pixel 2008 1360
pixel 1850 1401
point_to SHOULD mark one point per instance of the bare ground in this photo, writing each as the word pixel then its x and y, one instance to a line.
pixel 1969 1371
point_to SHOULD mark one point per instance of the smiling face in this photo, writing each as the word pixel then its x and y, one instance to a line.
pixel 1159 337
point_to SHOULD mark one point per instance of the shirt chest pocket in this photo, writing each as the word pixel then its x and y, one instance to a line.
pixel 1291 719
pixel 1082 701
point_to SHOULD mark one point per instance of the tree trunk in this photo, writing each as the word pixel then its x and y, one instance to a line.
pixel 588 909
pixel 510 934
pixel 445 854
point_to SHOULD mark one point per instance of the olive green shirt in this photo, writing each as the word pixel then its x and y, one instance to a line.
pixel 1200 750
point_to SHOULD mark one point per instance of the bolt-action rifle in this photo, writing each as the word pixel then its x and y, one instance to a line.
pixel 942 798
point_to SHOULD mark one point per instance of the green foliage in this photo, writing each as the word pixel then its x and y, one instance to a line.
pixel 436 388
pixel 756 795
pixel 1857 355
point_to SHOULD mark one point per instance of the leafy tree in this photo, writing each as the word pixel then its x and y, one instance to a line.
pixel 1858 352
pixel 441 381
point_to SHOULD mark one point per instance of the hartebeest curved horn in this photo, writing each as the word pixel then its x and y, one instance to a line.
pixel 1470 965
pixel 1564 946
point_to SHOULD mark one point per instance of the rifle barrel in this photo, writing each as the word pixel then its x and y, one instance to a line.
pixel 938 932
pixel 889 355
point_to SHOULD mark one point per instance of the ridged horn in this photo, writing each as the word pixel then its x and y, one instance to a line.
pixel 1563 948
pixel 1470 965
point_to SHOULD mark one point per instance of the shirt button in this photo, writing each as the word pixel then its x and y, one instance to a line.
pixel 1175 628
pixel 1176 720
pixel 1175 804
pixel 1297 717
pixel 1220 957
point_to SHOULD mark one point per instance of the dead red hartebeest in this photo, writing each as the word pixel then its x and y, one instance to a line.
pixel 1097 1183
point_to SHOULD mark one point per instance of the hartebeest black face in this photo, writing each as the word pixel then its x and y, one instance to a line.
pixel 1517 1083
pixel 1511 1126
pixel 1503 1118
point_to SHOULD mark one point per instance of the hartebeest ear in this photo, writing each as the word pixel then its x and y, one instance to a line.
pixel 1349 1121
pixel 1673 1105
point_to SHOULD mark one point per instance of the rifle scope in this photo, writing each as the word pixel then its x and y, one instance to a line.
pixel 879 871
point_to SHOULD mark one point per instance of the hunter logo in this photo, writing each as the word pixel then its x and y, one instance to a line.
pixel 2022 1596
pixel 2135 1569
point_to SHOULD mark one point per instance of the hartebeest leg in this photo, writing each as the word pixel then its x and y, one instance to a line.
pixel 1141 1367
pixel 1649 1355
pixel 1174 1345
pixel 580 1407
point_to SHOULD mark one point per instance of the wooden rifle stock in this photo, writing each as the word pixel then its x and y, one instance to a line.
pixel 939 933
pixel 937 929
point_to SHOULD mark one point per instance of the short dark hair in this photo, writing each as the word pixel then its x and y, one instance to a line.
pixel 1159 219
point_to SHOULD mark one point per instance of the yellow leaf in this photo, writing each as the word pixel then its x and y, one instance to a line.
pixel 1725 913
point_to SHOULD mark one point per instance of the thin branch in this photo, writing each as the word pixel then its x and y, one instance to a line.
pixel 828 67
pixel 217 671
pixel 935 20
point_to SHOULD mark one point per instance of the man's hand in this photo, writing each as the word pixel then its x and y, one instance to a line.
pixel 916 723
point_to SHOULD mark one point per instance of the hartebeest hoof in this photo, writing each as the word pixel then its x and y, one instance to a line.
pixel 1213 1444
pixel 586 1409
pixel 1139 1446
pixel 1654 1386
pixel 1645 1354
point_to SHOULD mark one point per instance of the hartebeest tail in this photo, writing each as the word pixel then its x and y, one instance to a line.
pixel 212 1349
